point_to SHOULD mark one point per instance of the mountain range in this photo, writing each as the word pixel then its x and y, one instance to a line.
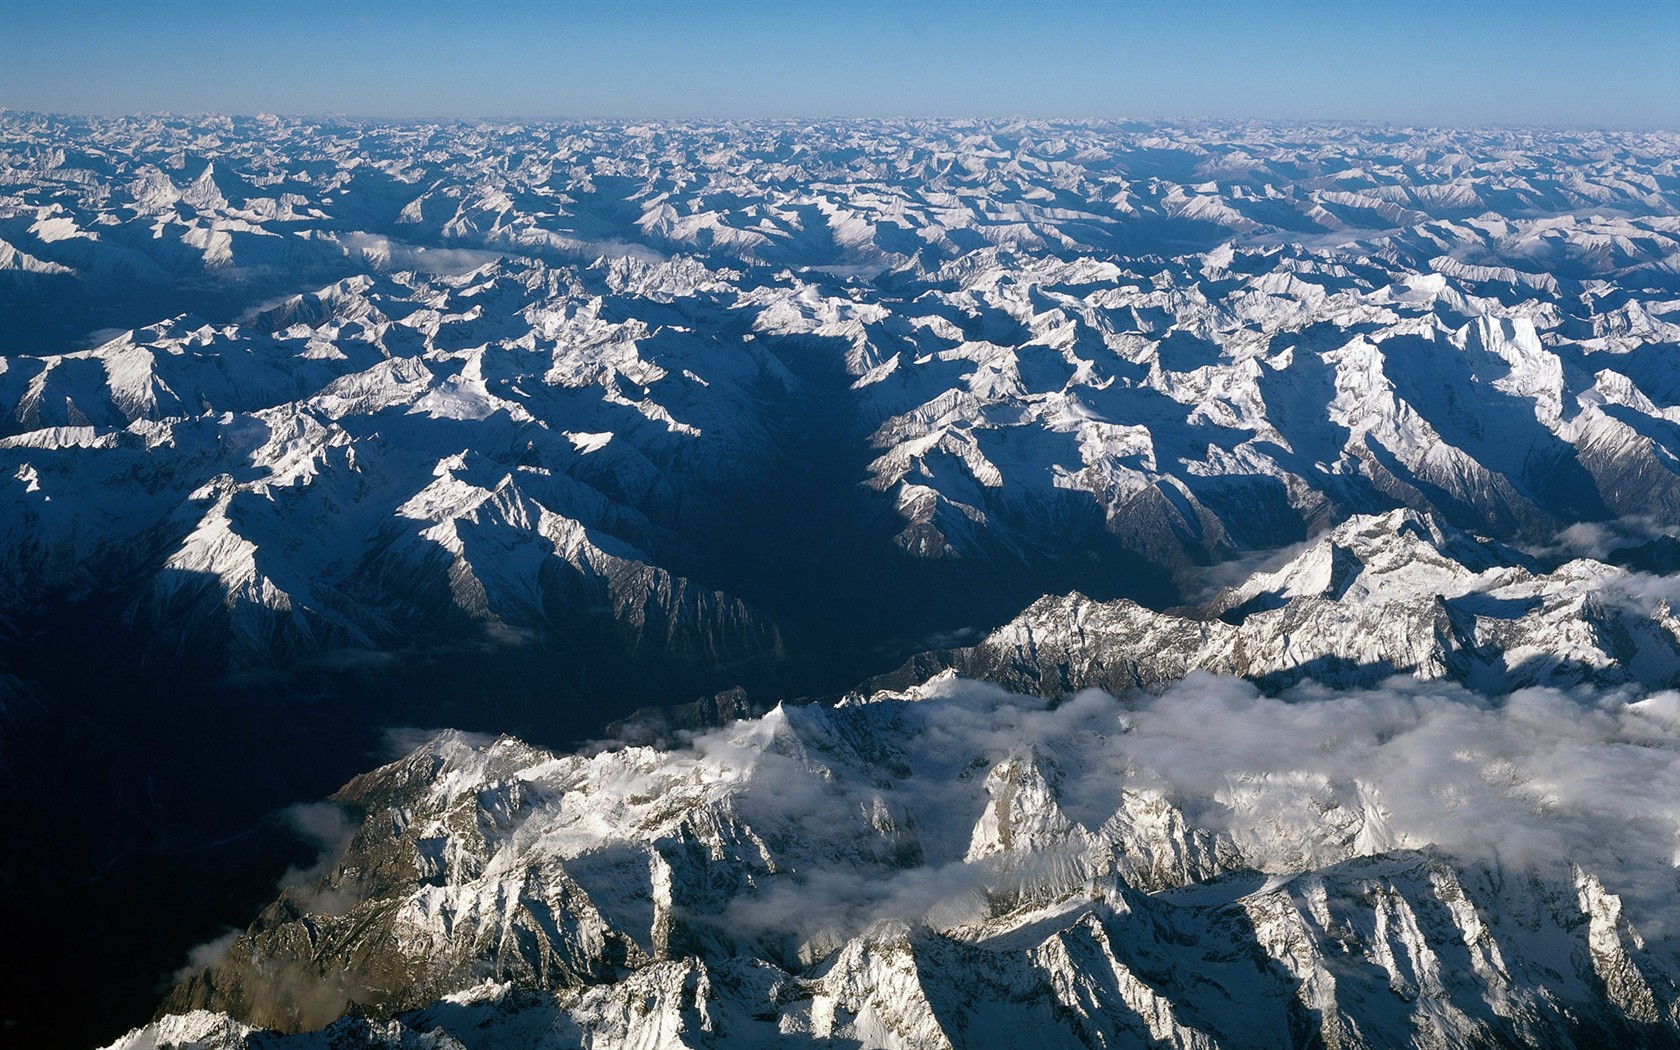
pixel 775 452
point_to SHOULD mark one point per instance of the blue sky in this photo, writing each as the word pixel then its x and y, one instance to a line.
pixel 1515 61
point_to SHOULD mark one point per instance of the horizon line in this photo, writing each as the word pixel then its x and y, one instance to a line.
pixel 674 121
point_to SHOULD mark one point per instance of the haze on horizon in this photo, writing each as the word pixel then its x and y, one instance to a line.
pixel 1610 63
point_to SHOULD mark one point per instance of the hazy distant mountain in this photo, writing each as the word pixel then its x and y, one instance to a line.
pixel 313 429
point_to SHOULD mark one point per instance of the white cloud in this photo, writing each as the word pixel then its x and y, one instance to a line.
pixel 1538 779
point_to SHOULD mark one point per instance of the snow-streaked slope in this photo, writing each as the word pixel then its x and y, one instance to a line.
pixel 959 866
pixel 313 424
pixel 1379 595
pixel 1037 342
pixel 363 461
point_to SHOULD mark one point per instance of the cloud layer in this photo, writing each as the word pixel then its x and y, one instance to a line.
pixel 1536 780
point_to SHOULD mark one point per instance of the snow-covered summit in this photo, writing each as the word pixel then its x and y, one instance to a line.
pixel 962 867
pixel 1379 595
pixel 311 428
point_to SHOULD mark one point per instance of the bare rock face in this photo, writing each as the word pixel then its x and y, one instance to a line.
pixel 307 430
pixel 471 381
pixel 1377 596
pixel 959 866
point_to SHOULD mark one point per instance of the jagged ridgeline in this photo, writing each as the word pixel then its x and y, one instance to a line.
pixel 961 866
pixel 310 431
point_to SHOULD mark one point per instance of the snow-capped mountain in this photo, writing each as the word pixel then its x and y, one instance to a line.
pixel 1168 341
pixel 314 428
pixel 584 353
pixel 293 486
pixel 1377 596
pixel 958 866
pixel 954 865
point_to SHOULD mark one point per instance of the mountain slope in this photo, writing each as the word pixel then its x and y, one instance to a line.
pixel 1378 595
pixel 314 429
pixel 957 866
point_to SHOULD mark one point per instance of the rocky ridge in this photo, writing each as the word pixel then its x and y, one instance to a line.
pixel 1031 343
pixel 310 428
pixel 959 866
pixel 1379 595
pixel 1383 855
